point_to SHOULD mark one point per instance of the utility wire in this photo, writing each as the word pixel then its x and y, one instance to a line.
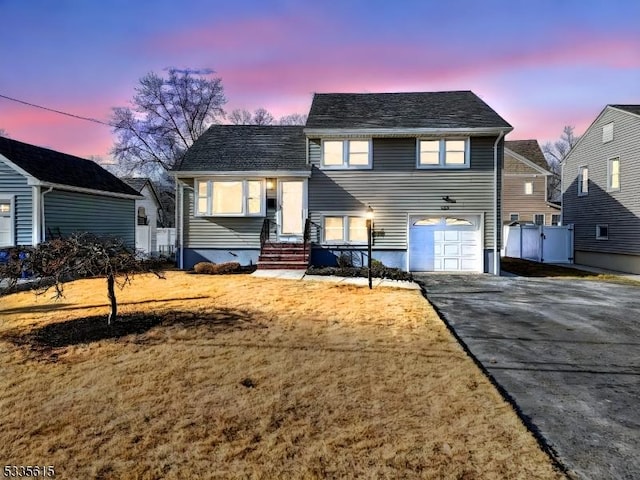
pixel 94 120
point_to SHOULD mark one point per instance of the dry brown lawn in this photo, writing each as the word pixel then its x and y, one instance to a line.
pixel 239 377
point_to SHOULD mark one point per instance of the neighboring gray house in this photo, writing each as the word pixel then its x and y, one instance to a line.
pixel 148 214
pixel 524 185
pixel 428 164
pixel 44 193
pixel 601 190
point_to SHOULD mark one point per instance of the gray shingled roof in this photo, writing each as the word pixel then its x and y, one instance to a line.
pixel 459 109
pixel 635 109
pixel 137 183
pixel 50 166
pixel 529 149
pixel 247 148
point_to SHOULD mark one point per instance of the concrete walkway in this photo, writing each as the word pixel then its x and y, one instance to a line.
pixel 363 282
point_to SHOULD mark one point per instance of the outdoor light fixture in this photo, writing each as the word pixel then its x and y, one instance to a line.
pixel 270 184
pixel 369 217
pixel 448 199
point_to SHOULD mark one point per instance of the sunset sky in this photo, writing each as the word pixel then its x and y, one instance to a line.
pixel 541 64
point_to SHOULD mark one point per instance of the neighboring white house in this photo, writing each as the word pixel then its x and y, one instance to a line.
pixel 148 214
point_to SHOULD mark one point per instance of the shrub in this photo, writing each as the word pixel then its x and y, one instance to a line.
pixel 345 260
pixel 216 269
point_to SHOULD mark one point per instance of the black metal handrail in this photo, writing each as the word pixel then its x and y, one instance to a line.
pixel 265 232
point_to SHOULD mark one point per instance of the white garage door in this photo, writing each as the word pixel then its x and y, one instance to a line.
pixel 445 244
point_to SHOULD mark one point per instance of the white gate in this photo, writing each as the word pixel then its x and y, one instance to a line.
pixel 540 243
pixel 143 239
pixel 166 240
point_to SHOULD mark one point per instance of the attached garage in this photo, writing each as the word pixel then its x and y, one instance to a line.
pixel 449 243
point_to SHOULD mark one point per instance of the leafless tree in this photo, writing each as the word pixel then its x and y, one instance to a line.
pixel 293 119
pixel 240 117
pixel 262 117
pixel 555 153
pixel 167 115
pixel 50 264
pixel 4 133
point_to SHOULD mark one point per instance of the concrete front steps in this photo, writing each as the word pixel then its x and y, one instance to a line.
pixel 283 256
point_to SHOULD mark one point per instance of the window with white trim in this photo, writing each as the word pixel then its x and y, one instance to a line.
pixel 6 222
pixel 555 219
pixel 346 153
pixel 229 198
pixel 528 188
pixel 538 219
pixel 607 132
pixel 514 217
pixel 613 174
pixel 443 153
pixel 602 232
pixel 583 181
pixel 345 229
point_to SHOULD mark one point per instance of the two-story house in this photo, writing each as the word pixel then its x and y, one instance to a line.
pixel 426 164
pixel 601 190
pixel 525 185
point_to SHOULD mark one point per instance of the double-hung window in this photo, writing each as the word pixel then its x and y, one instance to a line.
pixel 538 218
pixel 6 222
pixel 528 188
pixel 583 181
pixel 346 153
pixel 602 232
pixel 443 153
pixel 230 198
pixel 345 229
pixel 613 174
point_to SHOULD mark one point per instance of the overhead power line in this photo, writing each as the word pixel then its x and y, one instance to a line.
pixel 79 117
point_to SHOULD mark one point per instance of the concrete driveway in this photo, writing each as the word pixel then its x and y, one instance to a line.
pixel 567 352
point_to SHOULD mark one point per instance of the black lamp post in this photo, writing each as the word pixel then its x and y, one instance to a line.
pixel 369 240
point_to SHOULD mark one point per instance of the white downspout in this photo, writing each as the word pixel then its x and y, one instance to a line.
pixel 39 224
pixel 497 221
pixel 179 220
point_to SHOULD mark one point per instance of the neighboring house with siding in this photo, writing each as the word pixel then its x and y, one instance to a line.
pixel 601 190
pixel 428 164
pixel 148 216
pixel 44 193
pixel 525 176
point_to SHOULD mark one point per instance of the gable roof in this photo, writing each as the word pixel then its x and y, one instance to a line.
pixel 530 150
pixel 243 148
pixel 635 109
pixel 138 184
pixel 51 168
pixel 457 110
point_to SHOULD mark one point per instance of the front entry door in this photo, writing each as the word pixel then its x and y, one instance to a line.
pixel 291 206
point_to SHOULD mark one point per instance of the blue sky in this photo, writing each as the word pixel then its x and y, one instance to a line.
pixel 540 64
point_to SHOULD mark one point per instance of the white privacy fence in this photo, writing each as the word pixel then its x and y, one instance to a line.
pixel 540 243
pixel 166 241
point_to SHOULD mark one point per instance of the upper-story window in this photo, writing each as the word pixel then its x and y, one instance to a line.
pixel 528 188
pixel 443 153
pixel 583 181
pixel 346 153
pixel 229 198
pixel 607 132
pixel 613 174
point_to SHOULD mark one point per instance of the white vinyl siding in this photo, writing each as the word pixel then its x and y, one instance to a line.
pixel 443 153
pixel 229 198
pixel 346 154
